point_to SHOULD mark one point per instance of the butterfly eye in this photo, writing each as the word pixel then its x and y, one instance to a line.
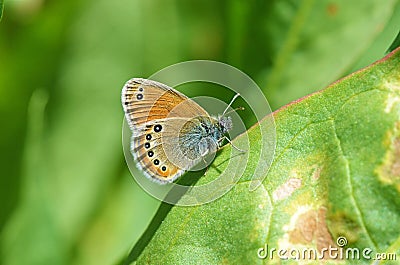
pixel 158 128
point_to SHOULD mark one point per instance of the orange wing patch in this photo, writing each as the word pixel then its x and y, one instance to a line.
pixel 145 100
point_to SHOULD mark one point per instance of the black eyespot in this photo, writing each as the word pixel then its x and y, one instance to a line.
pixel 147 145
pixel 141 89
pixel 150 153
pixel 126 102
pixel 148 137
pixel 163 168
pixel 156 162
pixel 158 128
pixel 139 96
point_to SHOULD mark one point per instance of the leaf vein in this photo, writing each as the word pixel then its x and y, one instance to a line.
pixel 350 185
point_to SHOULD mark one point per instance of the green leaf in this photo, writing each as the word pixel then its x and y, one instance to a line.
pixel 335 173
pixel 310 28
pixel 1 8
pixel 395 44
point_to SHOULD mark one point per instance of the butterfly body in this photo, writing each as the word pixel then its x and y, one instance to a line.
pixel 170 132
pixel 202 135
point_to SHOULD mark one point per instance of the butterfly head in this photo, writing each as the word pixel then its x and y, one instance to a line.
pixel 225 124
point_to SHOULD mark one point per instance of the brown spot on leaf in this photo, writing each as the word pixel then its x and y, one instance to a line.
pixel 311 227
pixel 316 174
pixel 305 228
pixel 395 168
pixel 286 189
pixel 323 237
pixel 332 9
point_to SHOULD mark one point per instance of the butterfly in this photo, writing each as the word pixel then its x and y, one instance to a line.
pixel 171 133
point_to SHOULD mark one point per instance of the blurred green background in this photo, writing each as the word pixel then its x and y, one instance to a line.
pixel 67 196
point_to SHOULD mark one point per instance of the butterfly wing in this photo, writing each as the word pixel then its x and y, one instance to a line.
pixel 148 151
pixel 154 112
pixel 145 100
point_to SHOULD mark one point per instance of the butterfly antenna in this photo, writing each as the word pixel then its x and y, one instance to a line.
pixel 233 99
pixel 233 110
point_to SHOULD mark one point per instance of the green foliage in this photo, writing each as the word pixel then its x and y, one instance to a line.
pixel 395 44
pixel 67 196
pixel 300 62
pixel 335 174
pixel 1 8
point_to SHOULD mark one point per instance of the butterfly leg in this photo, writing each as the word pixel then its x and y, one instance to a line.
pixel 240 150
pixel 205 162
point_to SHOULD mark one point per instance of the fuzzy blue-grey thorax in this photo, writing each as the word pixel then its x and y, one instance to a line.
pixel 215 128
pixel 202 135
